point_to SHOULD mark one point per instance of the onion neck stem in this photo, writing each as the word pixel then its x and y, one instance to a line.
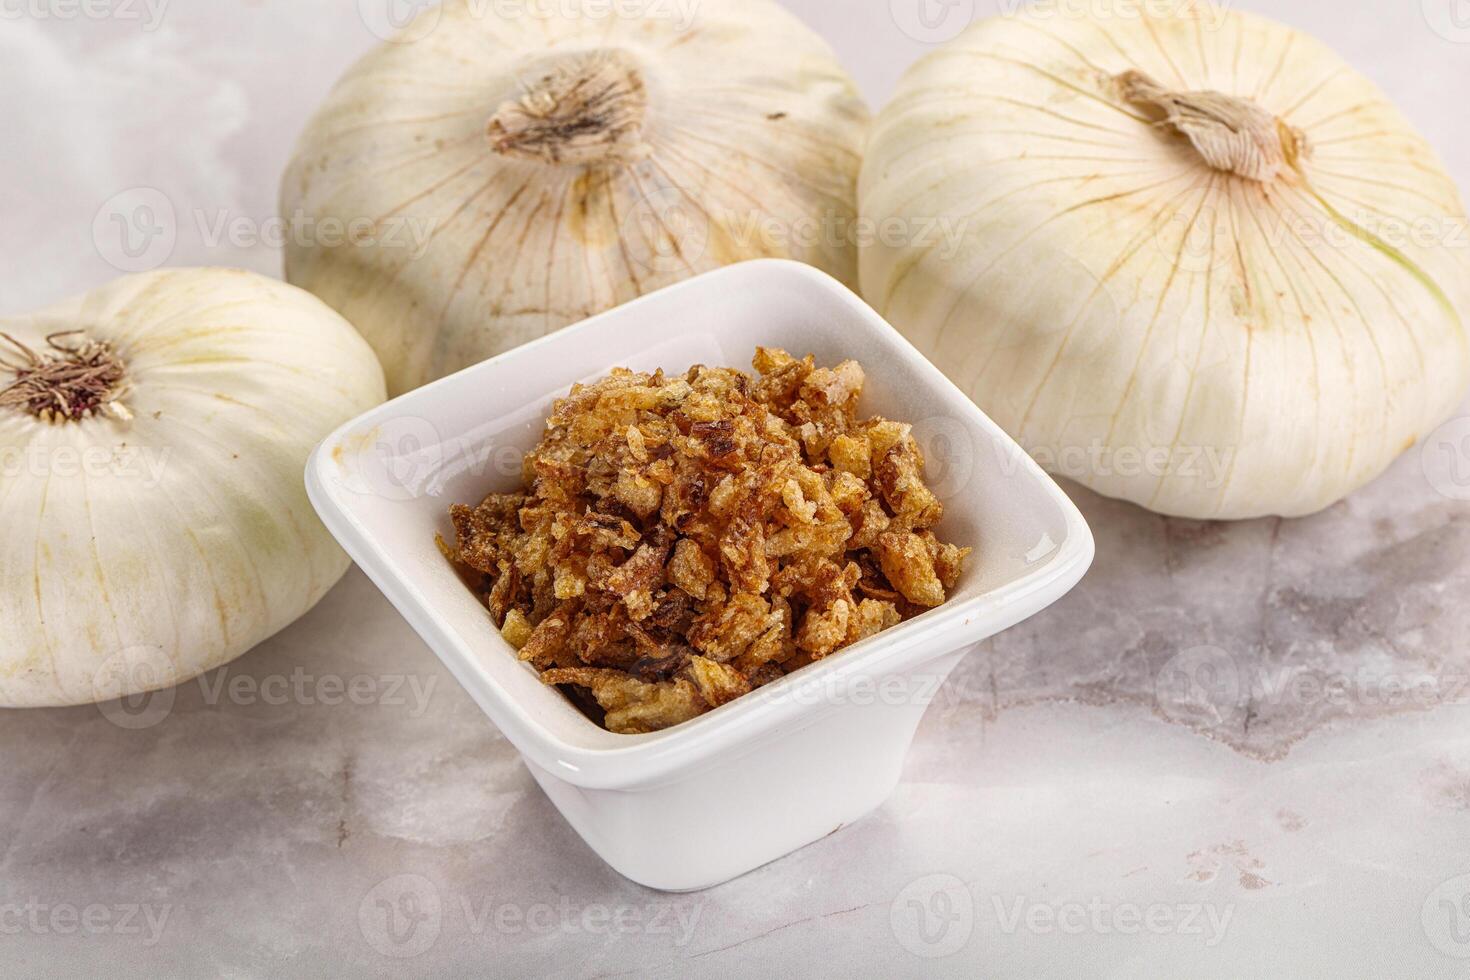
pixel 74 379
pixel 1232 134
pixel 580 108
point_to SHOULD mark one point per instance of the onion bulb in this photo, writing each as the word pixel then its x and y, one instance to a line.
pixel 1206 266
pixel 153 436
pixel 517 168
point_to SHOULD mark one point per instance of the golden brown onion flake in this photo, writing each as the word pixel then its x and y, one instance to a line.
pixel 683 541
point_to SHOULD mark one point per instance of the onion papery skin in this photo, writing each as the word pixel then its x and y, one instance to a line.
pixel 143 548
pixel 1206 343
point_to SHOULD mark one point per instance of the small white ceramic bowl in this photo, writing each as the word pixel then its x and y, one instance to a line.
pixel 725 793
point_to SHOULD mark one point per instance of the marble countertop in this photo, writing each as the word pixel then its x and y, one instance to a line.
pixel 1302 809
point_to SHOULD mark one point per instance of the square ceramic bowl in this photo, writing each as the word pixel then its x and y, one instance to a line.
pixel 718 796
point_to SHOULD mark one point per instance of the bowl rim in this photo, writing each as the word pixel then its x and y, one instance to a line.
pixel 628 761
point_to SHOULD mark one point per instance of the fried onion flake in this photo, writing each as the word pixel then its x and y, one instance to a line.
pixel 682 541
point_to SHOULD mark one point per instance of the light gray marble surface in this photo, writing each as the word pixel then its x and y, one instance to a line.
pixel 1305 810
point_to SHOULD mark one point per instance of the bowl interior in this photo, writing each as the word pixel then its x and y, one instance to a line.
pixel 391 477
